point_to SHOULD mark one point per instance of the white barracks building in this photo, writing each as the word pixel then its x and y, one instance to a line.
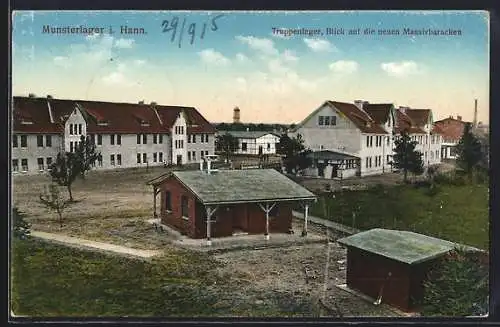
pixel 126 134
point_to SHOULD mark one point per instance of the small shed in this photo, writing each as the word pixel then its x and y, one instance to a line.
pixel 391 265
pixel 256 142
pixel 210 203
pixel 332 164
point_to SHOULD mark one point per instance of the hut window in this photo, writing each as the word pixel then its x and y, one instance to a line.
pixel 168 202
pixel 243 146
pixel 184 206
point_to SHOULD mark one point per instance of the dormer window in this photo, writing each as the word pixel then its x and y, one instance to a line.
pixel 26 122
pixel 368 124
pixel 144 123
pixel 102 123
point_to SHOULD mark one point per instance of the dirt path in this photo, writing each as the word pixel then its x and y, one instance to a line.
pixel 79 242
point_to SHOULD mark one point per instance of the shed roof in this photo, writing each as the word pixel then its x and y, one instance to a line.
pixel 331 155
pixel 240 186
pixel 403 246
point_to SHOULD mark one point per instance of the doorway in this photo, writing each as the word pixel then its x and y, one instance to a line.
pixel 179 159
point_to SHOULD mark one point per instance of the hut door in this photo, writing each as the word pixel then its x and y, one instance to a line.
pixel 335 170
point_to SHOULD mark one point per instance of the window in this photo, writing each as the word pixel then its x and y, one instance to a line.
pixel 201 154
pixel 160 156
pixel 144 158
pixel 138 158
pixel 327 120
pixel 112 139
pixel 14 141
pixel 370 162
pixel 112 159
pixel 49 162
pixel 154 139
pixel 24 164
pixel 333 120
pixel 99 161
pixel 24 141
pixel 189 155
pixel 80 129
pixel 206 138
pixel 184 206
pixel 206 153
pixel 189 138
pixel 168 201
pixel 243 146
pixel 367 142
pixel 366 162
pixel 119 159
pixel 268 146
pixel 194 155
pixel 155 157
pixel 70 146
pixel 99 139
pixel 371 141
pixel 40 163
pixel 39 141
pixel 432 155
pixel 48 140
pixel 194 138
pixel 320 120
pixel 388 140
pixel 15 165
pixel 70 129
pixel 138 138
pixel 144 139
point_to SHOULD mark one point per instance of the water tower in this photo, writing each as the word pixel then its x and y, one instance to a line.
pixel 236 115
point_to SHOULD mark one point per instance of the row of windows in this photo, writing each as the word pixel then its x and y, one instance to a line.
pixel 143 157
pixel 179 129
pixel 24 164
pixel 179 144
pixel 192 138
pixel 75 129
pixel 378 141
pixel 377 162
pixel 24 141
pixel 349 164
pixel 327 120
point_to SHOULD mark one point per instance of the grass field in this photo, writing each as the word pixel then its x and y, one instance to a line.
pixel 458 213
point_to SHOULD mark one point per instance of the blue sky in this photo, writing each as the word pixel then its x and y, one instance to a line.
pixel 270 77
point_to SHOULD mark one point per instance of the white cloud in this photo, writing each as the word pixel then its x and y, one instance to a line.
pixel 62 61
pixel 263 45
pixel 344 66
pixel 124 43
pixel 319 45
pixel 117 78
pixel 210 56
pixel 139 62
pixel 241 57
pixel 400 69
pixel 290 56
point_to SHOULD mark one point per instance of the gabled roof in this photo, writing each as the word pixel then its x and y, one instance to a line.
pixel 120 117
pixel 403 246
pixel 450 129
pixel 241 186
pixel 379 112
pixel 249 134
pixel 419 116
pixel 404 122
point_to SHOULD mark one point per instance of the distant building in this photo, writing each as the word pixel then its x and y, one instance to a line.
pixel 451 130
pixel 236 115
pixel 255 142
pixel 126 134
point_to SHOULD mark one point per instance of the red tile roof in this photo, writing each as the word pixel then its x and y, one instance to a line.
pixel 405 122
pixel 120 117
pixel 379 112
pixel 359 117
pixel 450 129
pixel 419 116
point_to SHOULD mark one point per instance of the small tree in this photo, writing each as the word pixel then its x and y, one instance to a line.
pixel 20 227
pixel 295 156
pixel 457 286
pixel 53 200
pixel 227 144
pixel 469 151
pixel 68 166
pixel 406 157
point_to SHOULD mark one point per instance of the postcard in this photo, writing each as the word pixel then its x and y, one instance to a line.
pixel 249 164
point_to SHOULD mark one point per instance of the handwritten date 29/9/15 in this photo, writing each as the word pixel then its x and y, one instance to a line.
pixel 177 28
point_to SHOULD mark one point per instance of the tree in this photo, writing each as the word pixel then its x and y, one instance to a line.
pixel 295 156
pixel 469 151
pixel 53 200
pixel 69 165
pixel 227 144
pixel 20 227
pixel 406 157
pixel 457 286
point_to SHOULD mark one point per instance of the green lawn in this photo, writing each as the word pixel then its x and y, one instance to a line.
pixel 456 213
pixel 51 280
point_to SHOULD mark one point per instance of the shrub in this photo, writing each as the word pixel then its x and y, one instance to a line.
pixel 20 227
pixel 456 286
